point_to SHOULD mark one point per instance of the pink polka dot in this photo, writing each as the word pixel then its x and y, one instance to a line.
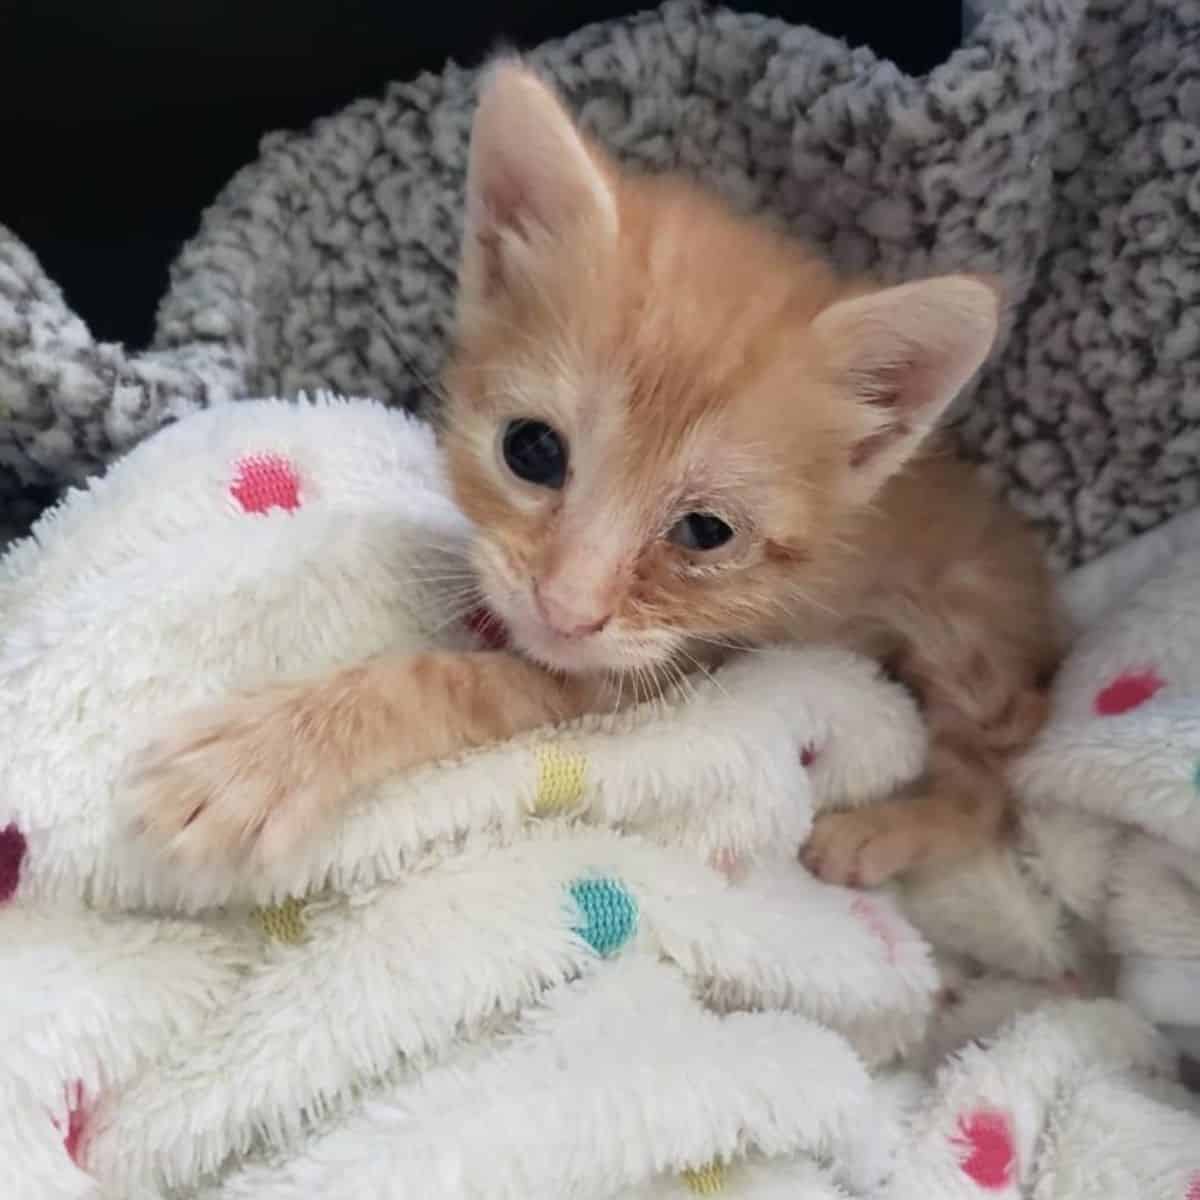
pixel 985 1141
pixel 265 481
pixel 727 862
pixel 873 917
pixel 1127 691
pixel 488 628
pixel 808 755
pixel 12 855
pixel 1068 984
pixel 76 1118
pixel 1193 1188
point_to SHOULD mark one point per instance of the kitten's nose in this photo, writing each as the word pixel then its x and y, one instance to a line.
pixel 565 615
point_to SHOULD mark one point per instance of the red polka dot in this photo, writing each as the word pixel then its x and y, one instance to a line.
pixel 76 1118
pixel 1068 984
pixel 1193 1188
pixel 1127 691
pixel 873 917
pixel 989 1157
pixel 12 855
pixel 727 862
pixel 265 481
pixel 808 755
pixel 487 627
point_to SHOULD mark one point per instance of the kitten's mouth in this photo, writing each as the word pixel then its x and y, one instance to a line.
pixel 531 638
pixel 543 645
pixel 488 628
pixel 507 619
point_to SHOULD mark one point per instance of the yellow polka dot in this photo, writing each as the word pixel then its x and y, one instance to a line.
pixel 707 1180
pixel 283 922
pixel 561 775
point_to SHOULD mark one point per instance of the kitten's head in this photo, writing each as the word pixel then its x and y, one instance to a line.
pixel 661 415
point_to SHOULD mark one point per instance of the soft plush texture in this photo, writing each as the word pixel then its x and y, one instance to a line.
pixel 444 948
pixel 1058 148
pixel 586 963
pixel 1107 873
pixel 1074 1102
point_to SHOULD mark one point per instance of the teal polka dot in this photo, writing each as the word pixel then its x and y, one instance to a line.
pixel 608 913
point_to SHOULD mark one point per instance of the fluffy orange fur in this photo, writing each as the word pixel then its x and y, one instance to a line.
pixel 692 362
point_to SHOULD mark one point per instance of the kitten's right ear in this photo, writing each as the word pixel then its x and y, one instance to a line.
pixel 902 354
pixel 531 177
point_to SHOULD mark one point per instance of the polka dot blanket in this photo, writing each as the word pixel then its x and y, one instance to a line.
pixel 1058 148
pixel 1104 887
pixel 583 964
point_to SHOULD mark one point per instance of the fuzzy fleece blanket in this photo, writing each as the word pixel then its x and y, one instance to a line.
pixel 1058 148
pixel 1105 883
pixel 583 964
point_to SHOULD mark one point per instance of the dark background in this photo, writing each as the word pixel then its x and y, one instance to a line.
pixel 121 119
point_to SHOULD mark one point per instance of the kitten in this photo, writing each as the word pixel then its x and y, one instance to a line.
pixel 676 432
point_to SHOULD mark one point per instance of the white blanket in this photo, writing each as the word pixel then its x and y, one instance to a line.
pixel 582 964
pixel 1106 880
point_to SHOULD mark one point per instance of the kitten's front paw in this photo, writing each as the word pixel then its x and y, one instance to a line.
pixel 863 847
pixel 240 781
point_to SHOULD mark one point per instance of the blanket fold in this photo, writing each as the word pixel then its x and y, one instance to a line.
pixel 582 963
pixel 209 1030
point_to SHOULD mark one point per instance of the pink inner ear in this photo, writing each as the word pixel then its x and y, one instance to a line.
pixel 504 196
pixel 893 389
pixel 507 202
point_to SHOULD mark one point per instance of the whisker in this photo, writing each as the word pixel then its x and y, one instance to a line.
pixel 655 692
pixel 723 644
pixel 706 673
pixel 456 614
pixel 620 690
pixel 456 608
pixel 683 685
pixel 443 576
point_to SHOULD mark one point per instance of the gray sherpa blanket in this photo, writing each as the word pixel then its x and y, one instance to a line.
pixel 1059 148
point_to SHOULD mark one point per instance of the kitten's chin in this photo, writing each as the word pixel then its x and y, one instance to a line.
pixel 597 654
pixel 575 656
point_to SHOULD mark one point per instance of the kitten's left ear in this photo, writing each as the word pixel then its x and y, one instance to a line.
pixel 903 354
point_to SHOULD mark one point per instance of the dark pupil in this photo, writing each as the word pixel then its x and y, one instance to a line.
pixel 535 453
pixel 701 531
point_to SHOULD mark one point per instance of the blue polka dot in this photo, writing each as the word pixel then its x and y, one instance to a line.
pixel 608 913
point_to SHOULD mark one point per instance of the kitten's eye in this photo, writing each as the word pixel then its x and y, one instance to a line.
pixel 700 531
pixel 536 453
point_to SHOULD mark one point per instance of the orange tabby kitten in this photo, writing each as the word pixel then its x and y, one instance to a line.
pixel 676 431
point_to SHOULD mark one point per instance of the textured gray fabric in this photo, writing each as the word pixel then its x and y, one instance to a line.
pixel 1059 148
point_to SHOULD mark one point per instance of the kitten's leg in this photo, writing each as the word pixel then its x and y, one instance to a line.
pixel 977 659
pixel 960 806
pixel 254 776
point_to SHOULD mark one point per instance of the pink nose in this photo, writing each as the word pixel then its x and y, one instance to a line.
pixel 566 619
